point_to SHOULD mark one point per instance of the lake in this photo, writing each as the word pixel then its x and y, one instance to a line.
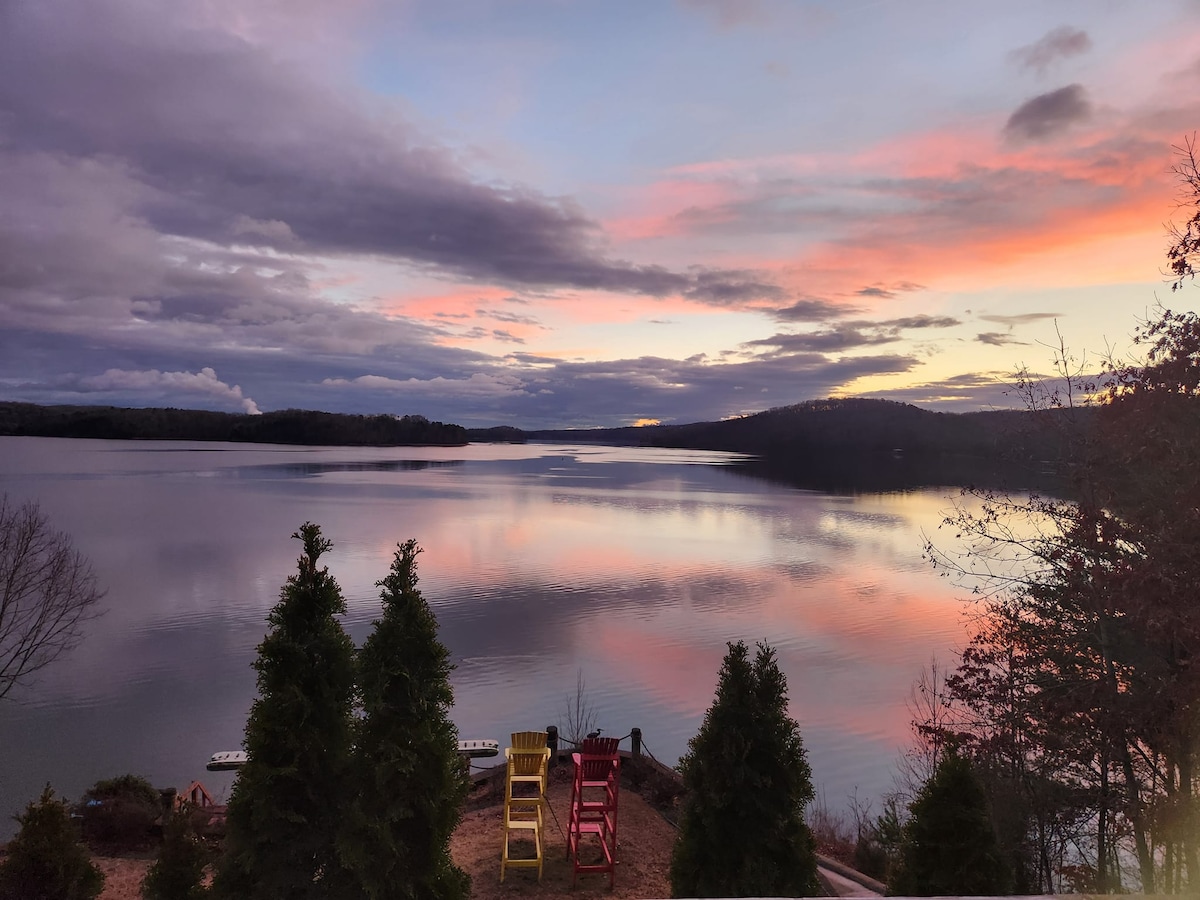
pixel 630 568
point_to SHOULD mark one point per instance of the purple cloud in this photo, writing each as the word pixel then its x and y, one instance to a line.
pixel 1049 114
pixel 1060 43
pixel 813 310
pixel 205 137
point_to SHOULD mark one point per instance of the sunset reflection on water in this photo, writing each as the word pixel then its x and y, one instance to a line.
pixel 632 568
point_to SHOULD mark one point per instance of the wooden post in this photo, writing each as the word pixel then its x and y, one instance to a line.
pixel 635 737
pixel 552 743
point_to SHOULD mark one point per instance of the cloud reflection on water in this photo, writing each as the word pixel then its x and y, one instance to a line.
pixel 632 567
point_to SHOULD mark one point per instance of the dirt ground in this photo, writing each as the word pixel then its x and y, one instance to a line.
pixel 644 841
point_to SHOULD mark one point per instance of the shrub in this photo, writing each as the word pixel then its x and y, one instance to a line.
pixel 119 814
pixel 45 860
pixel 742 830
pixel 179 869
pixel 949 844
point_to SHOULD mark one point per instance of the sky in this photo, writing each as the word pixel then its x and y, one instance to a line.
pixel 547 213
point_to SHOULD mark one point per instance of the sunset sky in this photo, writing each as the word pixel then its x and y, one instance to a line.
pixel 548 213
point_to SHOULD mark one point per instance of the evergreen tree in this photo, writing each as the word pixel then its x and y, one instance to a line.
pixel 179 869
pixel 741 830
pixel 411 782
pixel 287 804
pixel 45 860
pixel 949 845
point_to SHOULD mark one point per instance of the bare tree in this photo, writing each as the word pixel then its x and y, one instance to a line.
pixel 47 592
pixel 579 717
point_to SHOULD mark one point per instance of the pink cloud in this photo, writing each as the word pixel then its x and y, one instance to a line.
pixel 942 208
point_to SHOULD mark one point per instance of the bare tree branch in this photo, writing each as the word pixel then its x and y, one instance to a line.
pixel 47 592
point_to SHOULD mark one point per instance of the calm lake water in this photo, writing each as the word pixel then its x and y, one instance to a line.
pixel 633 567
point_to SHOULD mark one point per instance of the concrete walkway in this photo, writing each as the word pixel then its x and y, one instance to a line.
pixel 845 887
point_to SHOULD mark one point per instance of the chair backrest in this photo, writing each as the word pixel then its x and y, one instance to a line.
pixel 528 753
pixel 598 757
pixel 528 740
pixel 600 746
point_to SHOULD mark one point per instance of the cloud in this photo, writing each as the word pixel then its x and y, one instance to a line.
pixel 1049 114
pixel 960 393
pixel 842 337
pixel 888 292
pixel 998 339
pixel 228 145
pixel 848 335
pixel 1020 319
pixel 921 321
pixel 533 391
pixel 152 384
pixel 1060 43
pixel 476 386
pixel 813 310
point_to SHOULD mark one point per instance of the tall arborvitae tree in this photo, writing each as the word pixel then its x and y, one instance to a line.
pixel 949 847
pixel 742 831
pixel 285 813
pixel 411 783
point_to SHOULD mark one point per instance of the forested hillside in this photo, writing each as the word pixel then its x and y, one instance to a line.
pixel 821 428
pixel 289 426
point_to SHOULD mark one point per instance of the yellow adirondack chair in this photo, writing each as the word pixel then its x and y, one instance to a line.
pixel 525 796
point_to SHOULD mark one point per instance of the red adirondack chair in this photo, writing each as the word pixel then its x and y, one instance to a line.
pixel 594 793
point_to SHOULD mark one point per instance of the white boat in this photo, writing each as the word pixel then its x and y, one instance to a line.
pixel 227 760
pixel 479 749
pixel 231 760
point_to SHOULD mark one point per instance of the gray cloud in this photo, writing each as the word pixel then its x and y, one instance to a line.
pixel 922 321
pixel 888 292
pixel 1057 44
pixel 813 310
pixel 848 335
pixel 961 393
pixel 842 337
pixel 512 318
pixel 998 339
pixel 524 389
pixel 229 145
pixel 1020 319
pixel 1048 114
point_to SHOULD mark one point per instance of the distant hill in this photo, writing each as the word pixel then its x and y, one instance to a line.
pixel 864 444
pixel 289 426
pixel 818 428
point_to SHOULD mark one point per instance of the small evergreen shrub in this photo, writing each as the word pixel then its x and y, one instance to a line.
pixel 949 845
pixel 179 870
pixel 119 814
pixel 45 860
pixel 741 829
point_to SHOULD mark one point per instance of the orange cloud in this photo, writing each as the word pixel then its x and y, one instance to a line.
pixel 945 209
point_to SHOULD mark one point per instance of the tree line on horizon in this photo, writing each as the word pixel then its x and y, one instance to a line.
pixel 832 441
pixel 289 426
